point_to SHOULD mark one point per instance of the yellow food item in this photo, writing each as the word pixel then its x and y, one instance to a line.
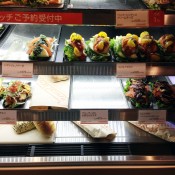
pixel 102 34
pixel 77 52
pixel 131 43
pixel 169 43
pixel 101 45
pixel 75 36
pixel 143 34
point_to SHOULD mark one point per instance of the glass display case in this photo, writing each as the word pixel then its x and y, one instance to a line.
pixel 91 85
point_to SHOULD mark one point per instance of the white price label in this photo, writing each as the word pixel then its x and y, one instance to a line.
pixel 131 70
pixel 94 116
pixel 15 69
pixel 132 18
pixel 152 116
pixel 8 116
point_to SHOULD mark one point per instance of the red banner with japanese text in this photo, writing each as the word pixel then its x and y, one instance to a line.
pixel 40 17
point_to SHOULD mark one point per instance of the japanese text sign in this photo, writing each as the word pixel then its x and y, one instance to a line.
pixel 40 17
pixel 15 69
pixel 94 116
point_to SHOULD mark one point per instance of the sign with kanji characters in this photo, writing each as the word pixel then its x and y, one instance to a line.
pixel 8 116
pixel 94 116
pixel 132 18
pixel 40 17
pixel 140 18
pixel 131 70
pixel 15 69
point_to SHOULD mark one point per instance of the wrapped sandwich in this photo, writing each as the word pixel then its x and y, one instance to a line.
pixel 164 94
pixel 125 48
pixel 167 46
pixel 74 49
pixel 138 93
pixel 148 47
pixel 41 48
pixel 98 47
pixel 16 94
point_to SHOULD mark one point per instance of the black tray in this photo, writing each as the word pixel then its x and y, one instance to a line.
pixel 15 45
pixel 4 30
pixel 87 32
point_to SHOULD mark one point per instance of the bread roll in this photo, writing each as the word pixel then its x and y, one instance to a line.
pixel 22 127
pixel 47 128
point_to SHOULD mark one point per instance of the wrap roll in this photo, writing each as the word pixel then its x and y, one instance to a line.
pixel 98 47
pixel 74 49
pixel 166 44
pixel 125 48
pixel 148 47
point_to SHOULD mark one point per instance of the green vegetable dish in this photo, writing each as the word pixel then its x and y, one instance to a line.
pixel 138 93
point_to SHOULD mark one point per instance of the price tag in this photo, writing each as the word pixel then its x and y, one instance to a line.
pixel 131 70
pixel 152 116
pixel 132 18
pixel 94 116
pixel 156 18
pixel 8 116
pixel 15 69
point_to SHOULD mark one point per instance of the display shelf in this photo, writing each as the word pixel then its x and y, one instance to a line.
pixel 135 163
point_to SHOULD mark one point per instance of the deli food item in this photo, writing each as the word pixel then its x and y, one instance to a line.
pixel 1 27
pixel 163 94
pixel 158 4
pixel 57 78
pixel 40 47
pixel 167 46
pixel 138 92
pixel 98 47
pixel 163 130
pixel 31 3
pixel 2 88
pixel 47 128
pixel 16 94
pixel 148 47
pixel 23 126
pixel 74 49
pixel 125 48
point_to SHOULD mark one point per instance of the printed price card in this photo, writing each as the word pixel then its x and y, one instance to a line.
pixel 8 116
pixel 139 18
pixel 94 116
pixel 131 70
pixel 15 69
pixel 152 116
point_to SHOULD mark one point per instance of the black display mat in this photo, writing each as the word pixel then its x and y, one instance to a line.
pixel 86 31
pixel 106 4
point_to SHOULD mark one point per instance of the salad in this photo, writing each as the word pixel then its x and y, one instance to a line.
pixel 16 94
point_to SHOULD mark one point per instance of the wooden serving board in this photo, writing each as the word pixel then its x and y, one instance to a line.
pixel 9 136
